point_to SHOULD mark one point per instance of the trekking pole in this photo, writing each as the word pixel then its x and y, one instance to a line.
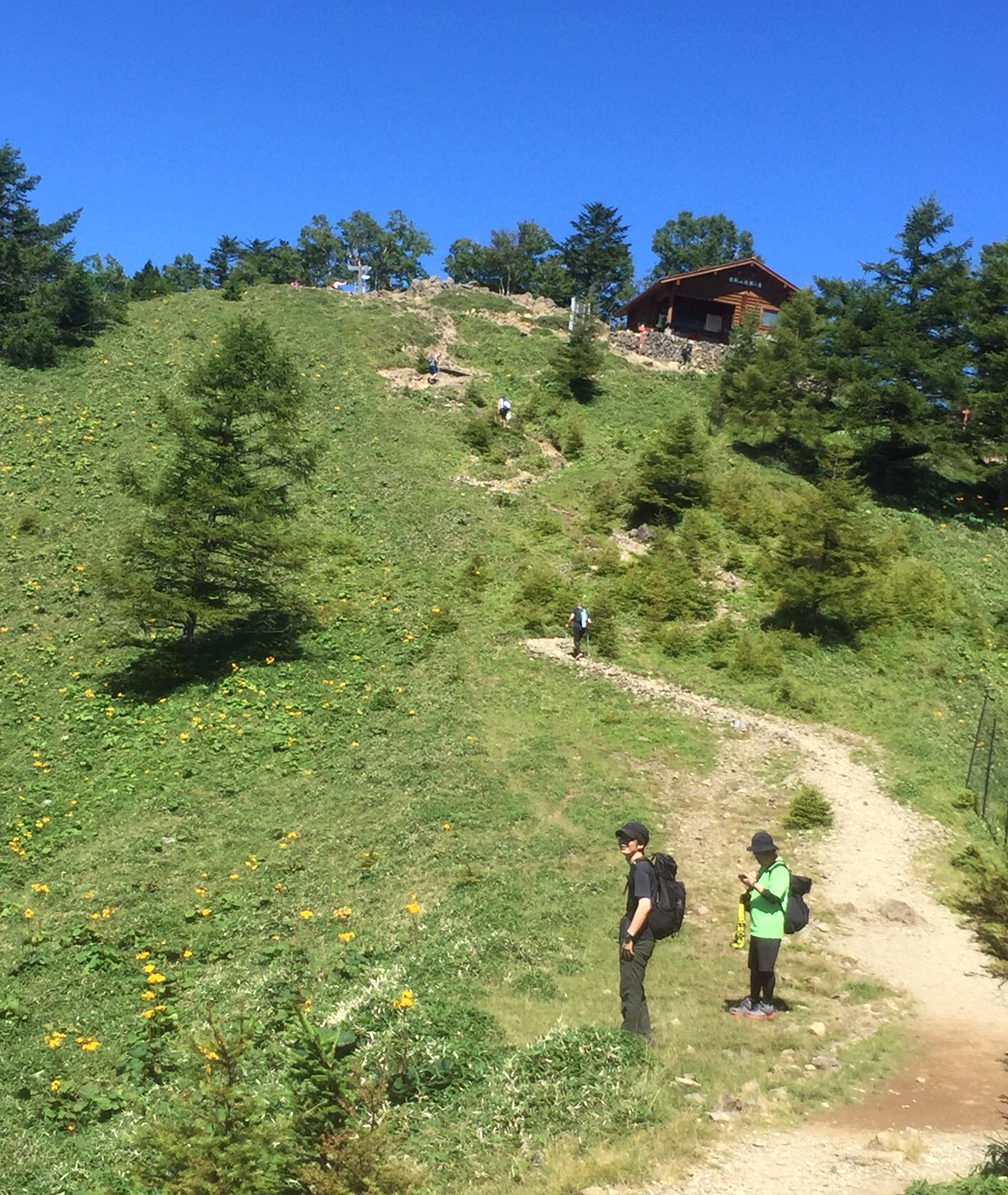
pixel 588 641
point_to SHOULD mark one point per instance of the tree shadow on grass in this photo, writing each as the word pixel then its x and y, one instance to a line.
pixel 159 670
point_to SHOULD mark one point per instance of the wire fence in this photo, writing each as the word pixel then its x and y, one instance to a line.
pixel 987 777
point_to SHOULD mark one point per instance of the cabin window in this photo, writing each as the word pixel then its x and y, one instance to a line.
pixel 768 319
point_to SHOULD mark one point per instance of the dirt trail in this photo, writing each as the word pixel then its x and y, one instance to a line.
pixel 933 1120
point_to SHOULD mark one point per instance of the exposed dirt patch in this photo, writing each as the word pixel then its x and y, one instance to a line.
pixel 628 546
pixel 865 875
pixel 507 485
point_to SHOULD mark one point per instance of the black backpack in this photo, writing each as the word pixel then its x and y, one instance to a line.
pixel 669 908
pixel 796 915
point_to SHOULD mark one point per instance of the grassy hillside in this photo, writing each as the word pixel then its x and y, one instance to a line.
pixel 396 798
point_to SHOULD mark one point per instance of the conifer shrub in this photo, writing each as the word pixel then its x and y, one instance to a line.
pixel 672 473
pixel 700 538
pixel 607 560
pixel 915 592
pixel 662 587
pixel 796 695
pixel 756 656
pixel 573 444
pixel 749 504
pixel 478 433
pixel 540 599
pixel 678 639
pixel 809 809
pixel 604 632
pixel 608 502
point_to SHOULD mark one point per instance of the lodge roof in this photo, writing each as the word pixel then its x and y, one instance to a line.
pixel 676 279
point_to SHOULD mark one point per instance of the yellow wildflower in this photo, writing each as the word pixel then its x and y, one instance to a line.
pixel 306 914
pixel 54 1040
pixel 404 1000
pixel 342 913
pixel 347 936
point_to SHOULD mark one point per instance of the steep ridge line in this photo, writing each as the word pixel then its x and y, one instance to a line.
pixel 956 1074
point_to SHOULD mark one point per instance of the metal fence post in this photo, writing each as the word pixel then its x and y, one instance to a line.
pixel 990 761
pixel 976 745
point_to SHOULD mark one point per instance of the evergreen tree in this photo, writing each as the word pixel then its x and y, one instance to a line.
pixel 578 363
pixel 692 242
pixel 989 333
pixel 46 299
pixel 672 474
pixel 217 543
pixel 255 263
pixel 900 340
pixel 149 283
pixel 824 563
pixel 780 384
pixel 285 263
pixel 597 258
pixel 224 256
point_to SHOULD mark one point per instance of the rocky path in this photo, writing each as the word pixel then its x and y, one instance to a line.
pixel 933 1120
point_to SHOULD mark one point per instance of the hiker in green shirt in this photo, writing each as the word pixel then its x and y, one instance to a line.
pixel 767 889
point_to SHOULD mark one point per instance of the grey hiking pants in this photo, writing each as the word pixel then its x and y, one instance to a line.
pixel 633 1001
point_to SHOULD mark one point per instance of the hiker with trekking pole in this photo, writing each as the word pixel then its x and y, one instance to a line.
pixel 581 619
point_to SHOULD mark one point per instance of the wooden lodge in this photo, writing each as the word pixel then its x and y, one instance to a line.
pixel 706 304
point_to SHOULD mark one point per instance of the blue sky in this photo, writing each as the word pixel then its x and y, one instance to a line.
pixel 815 124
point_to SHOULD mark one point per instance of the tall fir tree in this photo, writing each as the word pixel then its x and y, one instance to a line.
pixel 218 543
pixel 47 300
pixel 597 257
pixel 899 343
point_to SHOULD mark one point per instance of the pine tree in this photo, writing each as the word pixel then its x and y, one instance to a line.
pixel 47 300
pixel 597 258
pixel 672 474
pixel 900 341
pixel 578 363
pixel 217 544
pixel 824 563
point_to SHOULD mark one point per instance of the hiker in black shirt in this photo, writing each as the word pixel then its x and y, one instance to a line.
pixel 636 940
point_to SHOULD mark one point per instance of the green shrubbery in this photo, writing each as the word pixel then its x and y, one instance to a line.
pixel 808 809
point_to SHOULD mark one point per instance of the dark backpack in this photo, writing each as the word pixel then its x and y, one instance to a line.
pixel 669 908
pixel 796 914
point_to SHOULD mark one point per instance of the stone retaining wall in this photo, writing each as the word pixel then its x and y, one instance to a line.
pixel 668 346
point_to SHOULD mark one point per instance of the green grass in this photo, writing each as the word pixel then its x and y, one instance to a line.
pixel 401 743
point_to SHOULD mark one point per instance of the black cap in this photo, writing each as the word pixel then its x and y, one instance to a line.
pixel 635 830
pixel 761 842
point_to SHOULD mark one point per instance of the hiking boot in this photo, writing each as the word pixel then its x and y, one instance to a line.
pixel 744 1008
pixel 765 1012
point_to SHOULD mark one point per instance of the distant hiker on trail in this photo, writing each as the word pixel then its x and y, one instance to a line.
pixel 767 892
pixel 687 352
pixel 582 621
pixel 503 408
pixel 636 939
pixel 433 363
